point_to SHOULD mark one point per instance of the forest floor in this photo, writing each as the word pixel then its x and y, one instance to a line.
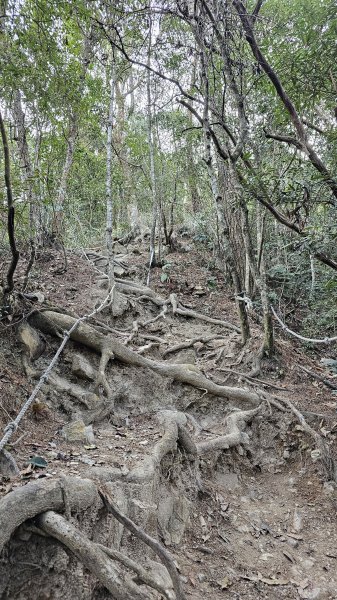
pixel 256 520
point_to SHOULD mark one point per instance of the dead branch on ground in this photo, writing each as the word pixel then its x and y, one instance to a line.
pixel 160 551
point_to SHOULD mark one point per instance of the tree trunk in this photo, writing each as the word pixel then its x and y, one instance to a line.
pixel 152 260
pixel 109 202
pixel 27 167
pixel 223 228
pixel 57 225
pixel 259 276
pixel 9 286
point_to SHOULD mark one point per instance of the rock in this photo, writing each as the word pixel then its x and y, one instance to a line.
pixel 119 271
pixel 119 248
pixel 81 367
pixel 8 466
pixel 329 487
pixel 76 431
pixel 89 435
pixel 329 362
pixel 33 343
pixel 173 516
pixel 120 304
pixel 314 593
pixel 297 521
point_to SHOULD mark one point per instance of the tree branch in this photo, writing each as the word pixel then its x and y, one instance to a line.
pixel 285 99
pixel 284 138
pixel 151 542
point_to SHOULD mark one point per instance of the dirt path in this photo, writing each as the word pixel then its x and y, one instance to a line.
pixel 254 517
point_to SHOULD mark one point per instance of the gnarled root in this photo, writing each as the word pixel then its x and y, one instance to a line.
pixel 91 555
pixel 32 499
pixel 235 423
pixel 51 322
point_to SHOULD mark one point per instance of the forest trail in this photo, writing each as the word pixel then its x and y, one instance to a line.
pixel 233 487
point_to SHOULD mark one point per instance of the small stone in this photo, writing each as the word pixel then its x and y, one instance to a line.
pixel 286 453
pixel 292 542
pixel 33 343
pixel 328 487
pixel 75 431
pixel 89 435
pixel 8 466
pixel 201 577
pixel 297 521
pixel 81 367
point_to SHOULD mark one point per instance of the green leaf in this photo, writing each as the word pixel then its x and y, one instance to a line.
pixel 38 461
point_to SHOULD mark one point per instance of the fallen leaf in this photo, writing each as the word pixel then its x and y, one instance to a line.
pixel 224 583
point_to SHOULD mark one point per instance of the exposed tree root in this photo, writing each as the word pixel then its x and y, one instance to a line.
pixel 52 322
pixel 324 453
pixel 137 289
pixel 90 554
pixel 187 344
pixel 253 379
pixel 235 424
pixel 257 363
pixel 326 382
pixel 145 293
pixel 163 554
pixel 89 399
pixel 142 573
pixel 179 310
pixel 34 498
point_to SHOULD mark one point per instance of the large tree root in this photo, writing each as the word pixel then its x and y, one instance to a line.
pixel 34 498
pixel 235 423
pixel 52 322
pixel 185 312
pixel 91 555
pixel 187 344
pixel 145 293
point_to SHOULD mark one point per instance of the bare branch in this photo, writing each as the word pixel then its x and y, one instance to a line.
pixel 284 138
pixel 285 99
pixel 148 540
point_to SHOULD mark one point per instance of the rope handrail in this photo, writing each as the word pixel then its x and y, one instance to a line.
pixel 13 425
pixel 326 340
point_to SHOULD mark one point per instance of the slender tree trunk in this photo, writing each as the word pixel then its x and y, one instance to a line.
pixel 57 226
pixel 218 202
pixel 27 169
pixel 9 286
pixel 259 276
pixel 152 260
pixel 109 202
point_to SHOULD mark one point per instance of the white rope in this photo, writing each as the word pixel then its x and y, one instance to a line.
pixel 301 337
pixel 13 425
